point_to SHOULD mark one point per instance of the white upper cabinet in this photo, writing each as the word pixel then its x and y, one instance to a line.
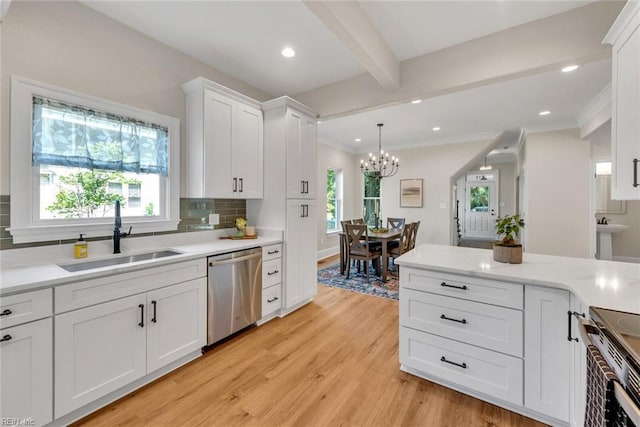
pixel 301 155
pixel 224 142
pixel 624 36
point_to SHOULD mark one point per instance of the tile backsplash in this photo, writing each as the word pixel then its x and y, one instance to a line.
pixel 194 216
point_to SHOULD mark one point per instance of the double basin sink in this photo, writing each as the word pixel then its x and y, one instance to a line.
pixel 89 265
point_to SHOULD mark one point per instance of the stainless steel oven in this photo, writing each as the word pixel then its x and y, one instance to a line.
pixel 616 334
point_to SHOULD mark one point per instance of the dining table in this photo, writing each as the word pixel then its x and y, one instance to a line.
pixel 383 238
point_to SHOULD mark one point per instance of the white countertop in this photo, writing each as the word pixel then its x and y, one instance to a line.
pixel 28 275
pixel 609 284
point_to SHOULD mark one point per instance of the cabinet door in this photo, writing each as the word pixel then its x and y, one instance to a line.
pixel 177 320
pixel 300 236
pixel 218 134
pixel 247 152
pixel 308 156
pixel 295 179
pixel 578 367
pixel 98 350
pixel 547 351
pixel 625 142
pixel 26 372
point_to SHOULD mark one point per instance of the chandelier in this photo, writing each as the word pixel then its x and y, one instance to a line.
pixel 380 166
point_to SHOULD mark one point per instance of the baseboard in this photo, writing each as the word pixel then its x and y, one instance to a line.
pixel 626 259
pixel 326 253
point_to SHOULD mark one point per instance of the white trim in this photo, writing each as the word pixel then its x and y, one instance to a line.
pixel 326 253
pixel 626 259
pixel 285 101
pixel 627 14
pixel 25 227
pixel 198 84
pixel 4 8
pixel 600 101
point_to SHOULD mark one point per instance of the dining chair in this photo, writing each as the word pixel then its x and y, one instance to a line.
pixel 414 234
pixel 360 249
pixel 357 221
pixel 404 243
pixel 396 223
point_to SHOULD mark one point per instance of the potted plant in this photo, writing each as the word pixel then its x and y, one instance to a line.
pixel 508 249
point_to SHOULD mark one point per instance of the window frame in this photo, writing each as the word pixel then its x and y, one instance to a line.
pixel 26 225
pixel 338 200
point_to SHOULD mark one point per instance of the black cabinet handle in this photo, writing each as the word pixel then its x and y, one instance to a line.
pixel 141 324
pixel 273 252
pixel 302 183
pixel 569 315
pixel 6 312
pixel 462 365
pixel 463 321
pixel 154 319
pixel 446 285
pixel 241 185
pixel 635 172
pixel 5 338
pixel 272 273
pixel 235 185
pixel 272 300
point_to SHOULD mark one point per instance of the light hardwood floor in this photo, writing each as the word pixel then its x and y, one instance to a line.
pixel 334 362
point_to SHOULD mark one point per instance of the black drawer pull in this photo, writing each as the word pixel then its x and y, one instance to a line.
pixel 272 273
pixel 635 172
pixel 154 319
pixel 6 312
pixel 462 365
pixel 272 300
pixel 141 324
pixel 569 314
pixel 273 252
pixel 446 285
pixel 5 338
pixel 463 321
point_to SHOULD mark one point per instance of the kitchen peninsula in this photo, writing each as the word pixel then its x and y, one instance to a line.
pixel 505 333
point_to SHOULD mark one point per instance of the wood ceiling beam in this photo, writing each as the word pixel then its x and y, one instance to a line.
pixel 347 21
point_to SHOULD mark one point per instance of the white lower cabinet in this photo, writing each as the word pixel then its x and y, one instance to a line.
pixel 102 348
pixel 301 265
pixel 547 351
pixel 26 373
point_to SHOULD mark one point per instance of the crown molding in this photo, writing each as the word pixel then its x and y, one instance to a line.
pixel 597 104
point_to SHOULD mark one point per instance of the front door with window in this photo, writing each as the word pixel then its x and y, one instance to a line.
pixel 481 210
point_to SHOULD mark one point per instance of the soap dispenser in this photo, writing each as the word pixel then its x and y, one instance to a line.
pixel 80 248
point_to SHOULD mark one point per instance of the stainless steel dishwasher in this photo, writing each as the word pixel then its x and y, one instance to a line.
pixel 234 294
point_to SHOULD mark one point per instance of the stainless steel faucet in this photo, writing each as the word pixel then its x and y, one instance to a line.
pixel 117 235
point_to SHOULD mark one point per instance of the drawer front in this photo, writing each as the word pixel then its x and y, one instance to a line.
pixel 465 287
pixel 271 300
pixel 484 325
pixel 96 291
pixel 26 307
pixel 271 272
pixel 484 371
pixel 272 252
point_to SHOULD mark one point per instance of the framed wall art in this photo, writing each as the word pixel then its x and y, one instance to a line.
pixel 411 193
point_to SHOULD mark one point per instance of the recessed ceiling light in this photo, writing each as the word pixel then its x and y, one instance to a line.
pixel 569 68
pixel 435 129
pixel 357 140
pixel 319 121
pixel 416 101
pixel 544 113
pixel 287 52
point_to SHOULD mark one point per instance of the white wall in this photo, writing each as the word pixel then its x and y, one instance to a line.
pixel 330 157
pixel 557 185
pixel 66 44
pixel 435 166
pixel 507 188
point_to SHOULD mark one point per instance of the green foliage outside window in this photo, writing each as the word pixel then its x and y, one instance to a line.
pixel 332 203
pixel 371 205
pixel 86 195
pixel 479 196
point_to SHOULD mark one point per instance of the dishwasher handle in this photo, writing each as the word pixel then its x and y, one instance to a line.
pixel 234 260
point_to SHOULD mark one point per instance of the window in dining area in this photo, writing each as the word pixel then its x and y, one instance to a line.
pixel 334 200
pixel 371 205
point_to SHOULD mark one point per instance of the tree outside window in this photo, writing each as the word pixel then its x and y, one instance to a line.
pixel 371 205
pixel 334 190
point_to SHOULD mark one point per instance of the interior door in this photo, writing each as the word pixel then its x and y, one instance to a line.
pixel 481 209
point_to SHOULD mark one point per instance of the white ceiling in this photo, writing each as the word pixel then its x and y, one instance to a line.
pixel 479 113
pixel 244 39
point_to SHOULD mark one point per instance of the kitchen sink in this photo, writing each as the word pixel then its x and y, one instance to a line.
pixel 88 265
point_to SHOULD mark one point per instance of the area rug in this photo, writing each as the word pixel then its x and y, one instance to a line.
pixel 357 282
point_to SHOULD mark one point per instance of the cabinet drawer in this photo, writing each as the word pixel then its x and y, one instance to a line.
pixel 484 371
pixel 271 300
pixel 272 252
pixel 90 292
pixel 271 272
pixel 484 325
pixel 26 307
pixel 465 287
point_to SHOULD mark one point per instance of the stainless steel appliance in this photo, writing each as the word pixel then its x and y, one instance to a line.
pixel 617 335
pixel 234 294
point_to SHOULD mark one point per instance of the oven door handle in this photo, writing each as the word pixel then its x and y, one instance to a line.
pixel 629 407
pixel 585 328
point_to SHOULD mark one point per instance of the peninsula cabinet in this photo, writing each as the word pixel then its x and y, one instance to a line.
pixel 624 36
pixel 224 146
pixel 104 347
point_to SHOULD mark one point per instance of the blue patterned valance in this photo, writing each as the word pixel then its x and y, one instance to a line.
pixel 71 135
